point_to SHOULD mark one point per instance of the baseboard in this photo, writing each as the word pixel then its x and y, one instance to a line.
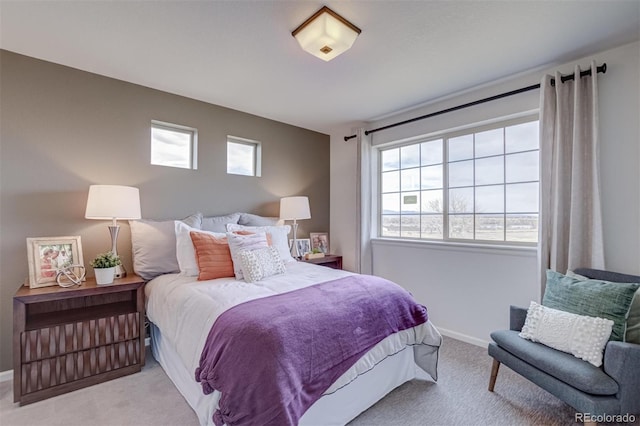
pixel 463 337
pixel 6 376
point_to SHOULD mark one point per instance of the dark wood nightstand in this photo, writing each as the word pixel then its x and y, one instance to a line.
pixel 70 338
pixel 330 260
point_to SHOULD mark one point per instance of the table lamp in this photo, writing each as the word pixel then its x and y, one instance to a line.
pixel 113 202
pixel 294 208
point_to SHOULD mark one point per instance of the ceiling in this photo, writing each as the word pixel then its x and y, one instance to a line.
pixel 240 54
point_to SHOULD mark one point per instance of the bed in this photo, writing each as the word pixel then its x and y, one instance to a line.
pixel 182 311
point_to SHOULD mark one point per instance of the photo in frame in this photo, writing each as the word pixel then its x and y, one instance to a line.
pixel 319 240
pixel 48 255
pixel 304 245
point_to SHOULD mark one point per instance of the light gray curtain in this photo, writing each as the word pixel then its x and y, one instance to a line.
pixel 570 211
pixel 364 200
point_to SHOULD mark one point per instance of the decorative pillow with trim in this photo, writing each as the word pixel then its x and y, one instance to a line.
pixel 261 263
pixel 584 337
pixel 239 243
pixel 594 298
pixel 279 237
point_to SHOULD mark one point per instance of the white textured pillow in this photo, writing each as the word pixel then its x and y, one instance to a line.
pixel 153 244
pixel 240 243
pixel 279 237
pixel 261 263
pixel 185 253
pixel 584 337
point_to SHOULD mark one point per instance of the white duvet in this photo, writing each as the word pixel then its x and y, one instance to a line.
pixel 184 310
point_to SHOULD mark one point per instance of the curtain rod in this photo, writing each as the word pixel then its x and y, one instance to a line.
pixel 602 68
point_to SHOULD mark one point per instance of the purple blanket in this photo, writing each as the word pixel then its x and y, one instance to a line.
pixel 272 358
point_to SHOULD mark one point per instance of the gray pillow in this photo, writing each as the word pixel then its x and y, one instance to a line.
pixel 153 245
pixel 594 298
pixel 219 223
pixel 248 219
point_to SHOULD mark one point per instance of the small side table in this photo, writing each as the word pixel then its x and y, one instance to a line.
pixel 331 261
pixel 70 338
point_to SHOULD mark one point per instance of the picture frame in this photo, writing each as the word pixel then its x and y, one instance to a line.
pixel 320 240
pixel 47 255
pixel 304 245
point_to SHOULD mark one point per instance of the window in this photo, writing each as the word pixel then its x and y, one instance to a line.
pixel 173 145
pixel 477 185
pixel 243 156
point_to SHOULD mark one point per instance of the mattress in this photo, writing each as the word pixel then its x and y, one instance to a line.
pixel 183 310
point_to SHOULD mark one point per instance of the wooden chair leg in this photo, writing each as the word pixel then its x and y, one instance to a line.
pixel 494 374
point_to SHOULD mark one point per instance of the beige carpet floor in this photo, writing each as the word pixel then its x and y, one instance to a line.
pixel 459 398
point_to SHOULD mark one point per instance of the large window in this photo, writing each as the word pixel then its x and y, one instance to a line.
pixel 173 145
pixel 477 185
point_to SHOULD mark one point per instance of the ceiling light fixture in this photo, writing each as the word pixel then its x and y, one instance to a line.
pixel 326 34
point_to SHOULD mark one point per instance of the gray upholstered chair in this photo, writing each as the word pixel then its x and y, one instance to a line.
pixel 613 389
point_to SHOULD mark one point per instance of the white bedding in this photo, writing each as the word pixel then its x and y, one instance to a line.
pixel 184 309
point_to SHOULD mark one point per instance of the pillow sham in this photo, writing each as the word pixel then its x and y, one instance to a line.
pixel 249 219
pixel 633 320
pixel 185 252
pixel 594 298
pixel 153 245
pixel 261 263
pixel 212 256
pixel 279 237
pixel 238 243
pixel 219 223
pixel 583 336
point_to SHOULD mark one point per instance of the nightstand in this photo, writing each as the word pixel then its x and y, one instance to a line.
pixel 70 338
pixel 330 260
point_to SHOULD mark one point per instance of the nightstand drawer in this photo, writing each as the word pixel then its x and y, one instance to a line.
pixel 58 340
pixel 71 367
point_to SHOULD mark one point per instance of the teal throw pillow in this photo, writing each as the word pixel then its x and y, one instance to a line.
pixel 594 298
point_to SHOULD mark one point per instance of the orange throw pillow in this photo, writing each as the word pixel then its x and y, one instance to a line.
pixel 212 255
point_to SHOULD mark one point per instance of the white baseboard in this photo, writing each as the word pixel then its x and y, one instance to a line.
pixel 6 376
pixel 463 337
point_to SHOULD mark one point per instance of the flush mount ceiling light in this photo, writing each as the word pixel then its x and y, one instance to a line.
pixel 326 34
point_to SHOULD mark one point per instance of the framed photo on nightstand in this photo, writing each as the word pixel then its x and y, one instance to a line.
pixel 304 245
pixel 320 240
pixel 47 255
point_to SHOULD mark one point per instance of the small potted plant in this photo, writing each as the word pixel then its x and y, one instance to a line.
pixel 315 253
pixel 104 266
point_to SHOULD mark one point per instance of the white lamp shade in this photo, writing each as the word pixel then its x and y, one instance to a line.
pixel 294 208
pixel 325 36
pixel 113 202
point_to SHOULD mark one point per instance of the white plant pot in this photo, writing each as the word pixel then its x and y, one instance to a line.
pixel 104 275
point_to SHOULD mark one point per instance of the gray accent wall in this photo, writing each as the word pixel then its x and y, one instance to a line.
pixel 62 130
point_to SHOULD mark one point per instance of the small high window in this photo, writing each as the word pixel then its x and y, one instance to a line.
pixel 173 145
pixel 243 156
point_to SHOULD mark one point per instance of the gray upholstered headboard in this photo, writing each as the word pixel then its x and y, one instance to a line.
pixel 607 276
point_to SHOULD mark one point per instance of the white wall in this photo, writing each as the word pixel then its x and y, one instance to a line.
pixel 467 291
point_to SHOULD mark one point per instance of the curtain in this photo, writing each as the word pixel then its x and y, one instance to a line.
pixel 364 195
pixel 570 212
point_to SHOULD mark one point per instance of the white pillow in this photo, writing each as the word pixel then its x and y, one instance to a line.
pixel 279 237
pixel 261 263
pixel 185 253
pixel 240 243
pixel 584 337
